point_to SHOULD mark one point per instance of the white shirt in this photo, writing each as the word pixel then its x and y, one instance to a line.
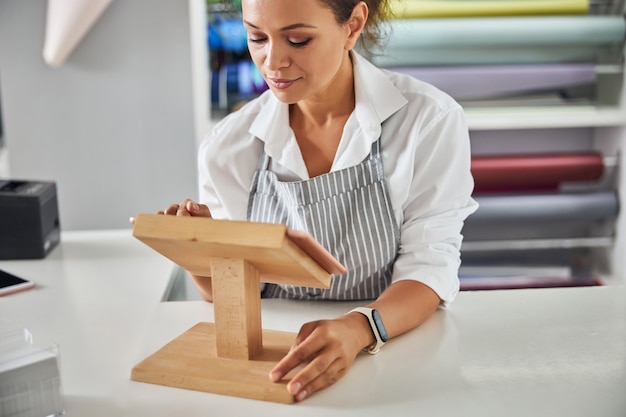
pixel 426 157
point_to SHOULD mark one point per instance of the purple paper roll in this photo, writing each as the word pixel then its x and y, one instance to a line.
pixel 484 81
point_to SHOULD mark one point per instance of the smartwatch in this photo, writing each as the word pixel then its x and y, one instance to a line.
pixel 377 326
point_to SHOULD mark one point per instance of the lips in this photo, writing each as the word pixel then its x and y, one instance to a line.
pixel 280 83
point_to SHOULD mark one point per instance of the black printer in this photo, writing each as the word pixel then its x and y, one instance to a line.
pixel 29 219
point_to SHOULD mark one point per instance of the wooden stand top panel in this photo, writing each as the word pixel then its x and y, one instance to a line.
pixel 191 242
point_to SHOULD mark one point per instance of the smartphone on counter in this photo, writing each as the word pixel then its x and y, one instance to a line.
pixel 10 283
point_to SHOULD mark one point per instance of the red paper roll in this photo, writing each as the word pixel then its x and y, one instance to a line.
pixel 534 172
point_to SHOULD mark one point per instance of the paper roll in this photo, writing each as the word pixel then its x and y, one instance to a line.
pixel 528 172
pixel 500 40
pixel 542 216
pixel 529 208
pixel 67 22
pixel 488 55
pixel 489 81
pixel 507 31
pixel 403 9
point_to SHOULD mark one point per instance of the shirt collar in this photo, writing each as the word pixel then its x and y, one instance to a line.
pixel 271 125
pixel 377 98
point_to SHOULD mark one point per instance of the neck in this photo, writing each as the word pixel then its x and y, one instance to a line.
pixel 335 102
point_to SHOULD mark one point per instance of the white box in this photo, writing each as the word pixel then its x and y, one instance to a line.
pixel 30 384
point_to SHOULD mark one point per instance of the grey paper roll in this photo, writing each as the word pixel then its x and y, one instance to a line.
pixel 583 207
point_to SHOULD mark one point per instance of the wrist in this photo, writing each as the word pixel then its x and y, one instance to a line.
pixel 377 328
pixel 362 329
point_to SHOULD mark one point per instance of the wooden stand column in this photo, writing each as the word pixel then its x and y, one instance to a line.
pixel 234 355
pixel 237 295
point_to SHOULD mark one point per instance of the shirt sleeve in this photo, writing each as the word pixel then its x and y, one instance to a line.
pixel 206 191
pixel 439 200
pixel 227 159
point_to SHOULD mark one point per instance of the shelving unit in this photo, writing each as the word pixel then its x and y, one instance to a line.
pixel 606 252
pixel 597 122
pixel 599 126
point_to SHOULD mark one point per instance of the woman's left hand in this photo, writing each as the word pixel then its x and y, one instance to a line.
pixel 325 349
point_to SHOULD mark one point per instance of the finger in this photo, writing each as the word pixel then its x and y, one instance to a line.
pixel 187 208
pixel 171 210
pixel 332 374
pixel 302 351
pixel 314 370
pixel 305 331
pixel 182 211
pixel 198 210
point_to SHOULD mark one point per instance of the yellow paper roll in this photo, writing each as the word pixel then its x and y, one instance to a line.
pixel 410 9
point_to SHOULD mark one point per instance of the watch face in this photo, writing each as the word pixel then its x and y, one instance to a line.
pixel 379 325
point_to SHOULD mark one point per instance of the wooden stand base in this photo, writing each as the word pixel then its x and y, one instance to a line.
pixel 190 361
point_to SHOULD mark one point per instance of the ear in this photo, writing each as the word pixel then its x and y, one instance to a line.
pixel 355 24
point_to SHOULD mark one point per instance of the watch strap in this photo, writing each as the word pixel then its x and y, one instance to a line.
pixel 378 342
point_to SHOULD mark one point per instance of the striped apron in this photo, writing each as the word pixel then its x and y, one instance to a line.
pixel 348 211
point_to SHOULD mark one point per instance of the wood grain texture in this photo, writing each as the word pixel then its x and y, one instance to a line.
pixel 237 308
pixel 190 361
pixel 191 242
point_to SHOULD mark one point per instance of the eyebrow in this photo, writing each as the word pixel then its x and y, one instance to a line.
pixel 290 27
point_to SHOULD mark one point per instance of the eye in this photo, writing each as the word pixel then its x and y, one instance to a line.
pixel 256 40
pixel 299 44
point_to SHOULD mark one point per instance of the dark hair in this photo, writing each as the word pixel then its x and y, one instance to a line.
pixel 378 12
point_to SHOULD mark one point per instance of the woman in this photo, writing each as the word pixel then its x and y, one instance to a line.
pixel 375 165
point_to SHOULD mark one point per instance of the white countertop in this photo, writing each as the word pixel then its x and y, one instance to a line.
pixel 544 352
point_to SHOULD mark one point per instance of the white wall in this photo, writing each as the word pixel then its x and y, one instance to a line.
pixel 114 126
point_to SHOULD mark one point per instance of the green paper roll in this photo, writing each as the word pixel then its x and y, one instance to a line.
pixel 486 55
pixel 504 40
pixel 507 31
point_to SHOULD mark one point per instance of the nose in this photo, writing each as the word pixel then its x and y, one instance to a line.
pixel 277 56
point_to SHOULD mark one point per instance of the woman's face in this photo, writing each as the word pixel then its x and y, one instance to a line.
pixel 297 45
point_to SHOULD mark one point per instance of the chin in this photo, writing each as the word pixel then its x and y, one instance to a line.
pixel 285 97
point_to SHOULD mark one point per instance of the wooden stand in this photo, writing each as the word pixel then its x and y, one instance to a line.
pixel 234 355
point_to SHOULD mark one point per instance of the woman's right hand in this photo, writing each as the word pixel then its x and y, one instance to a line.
pixel 187 207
